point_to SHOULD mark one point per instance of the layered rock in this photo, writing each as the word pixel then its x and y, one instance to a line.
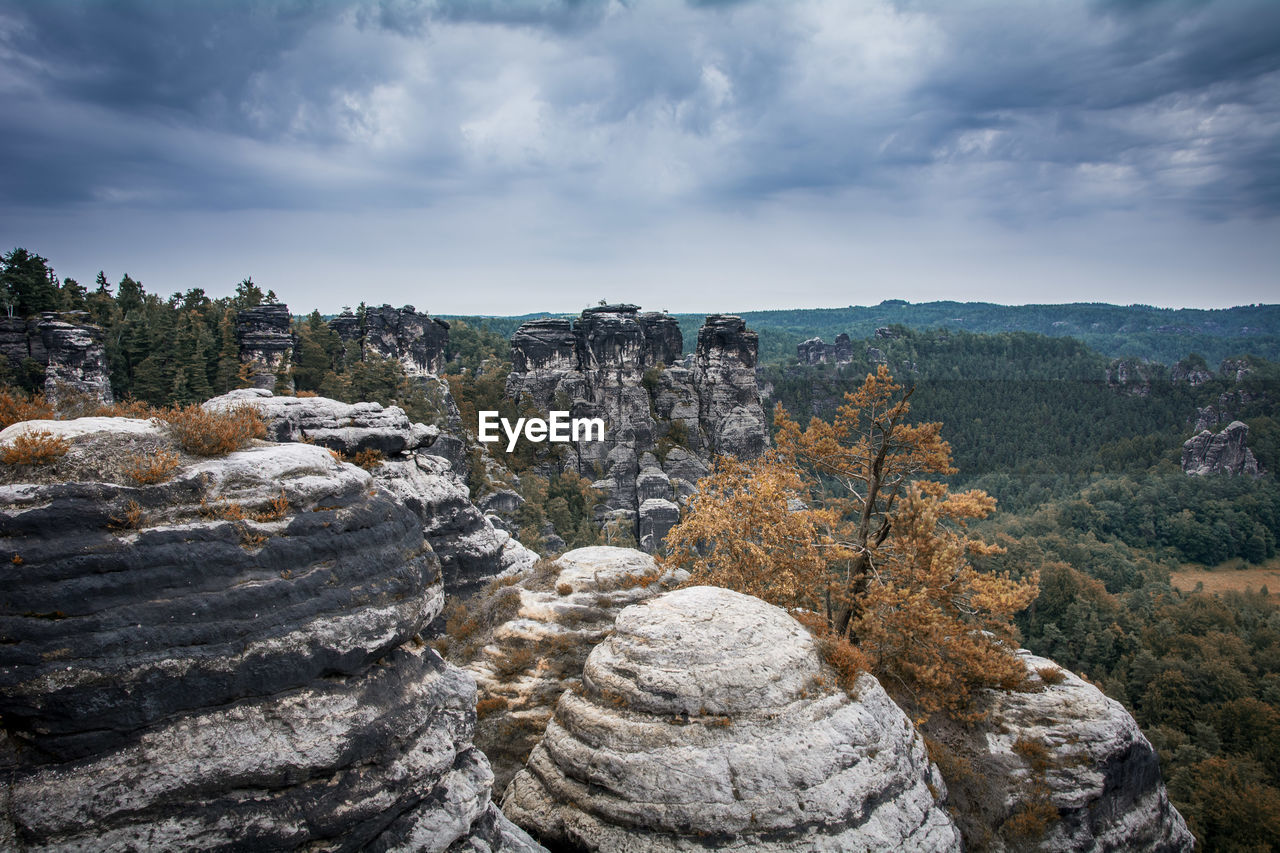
pixel 708 721
pixel 530 638
pixel 1223 453
pixel 471 551
pixel 666 415
pixel 265 337
pixel 69 349
pixel 228 659
pixel 1067 752
pixel 815 351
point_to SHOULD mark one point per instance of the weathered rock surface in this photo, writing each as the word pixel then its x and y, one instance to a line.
pixel 228 660
pixel 1072 749
pixel 471 551
pixel 665 415
pixel 708 721
pixel 67 347
pixel 1223 453
pixel 543 627
pixel 265 336
pixel 1235 369
pixel 346 427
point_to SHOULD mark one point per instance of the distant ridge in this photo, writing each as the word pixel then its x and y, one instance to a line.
pixel 1137 331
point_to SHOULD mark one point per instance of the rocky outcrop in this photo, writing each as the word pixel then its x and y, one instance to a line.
pixel 815 351
pixel 708 721
pixel 417 341
pixel 1235 369
pixel 1067 753
pixel 1223 453
pixel 264 334
pixel 67 347
pixel 419 344
pixel 228 659
pixel 525 642
pixel 666 415
pixel 1193 371
pixel 1130 376
pixel 471 551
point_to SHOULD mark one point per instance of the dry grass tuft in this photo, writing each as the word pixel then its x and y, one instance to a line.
pixel 490 705
pixel 277 508
pixel 130 519
pixel 306 394
pixel 15 407
pixel 207 433
pixel 512 662
pixel 1051 674
pixel 35 448
pixel 564 589
pixel 153 468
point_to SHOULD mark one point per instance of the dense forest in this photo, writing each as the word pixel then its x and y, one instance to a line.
pixel 1085 470
pixel 1161 335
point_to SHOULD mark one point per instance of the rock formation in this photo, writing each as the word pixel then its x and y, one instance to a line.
pixel 1224 453
pixel 264 334
pixel 1192 371
pixel 68 348
pixel 708 721
pixel 1235 369
pixel 470 550
pixel 814 351
pixel 228 659
pixel 1069 752
pixel 417 341
pixel 666 415
pixel 525 642
pixel 1130 376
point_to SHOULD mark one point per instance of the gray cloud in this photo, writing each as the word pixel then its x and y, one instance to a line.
pixel 563 128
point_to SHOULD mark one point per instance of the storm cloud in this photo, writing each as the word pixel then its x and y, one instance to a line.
pixel 554 128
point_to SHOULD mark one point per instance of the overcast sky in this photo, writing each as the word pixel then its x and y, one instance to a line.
pixel 503 157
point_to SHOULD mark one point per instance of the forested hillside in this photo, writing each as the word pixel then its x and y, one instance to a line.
pixel 1137 331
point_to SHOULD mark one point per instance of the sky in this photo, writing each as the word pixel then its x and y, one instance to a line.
pixel 494 157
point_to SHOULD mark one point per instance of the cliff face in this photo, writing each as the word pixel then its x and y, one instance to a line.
pixel 665 414
pixel 1224 453
pixel 471 551
pixel 265 336
pixel 1067 751
pixel 69 349
pixel 227 660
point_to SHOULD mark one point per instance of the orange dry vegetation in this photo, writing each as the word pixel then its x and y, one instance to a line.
pixel 207 433
pixel 16 406
pixel 34 448
pixel 147 469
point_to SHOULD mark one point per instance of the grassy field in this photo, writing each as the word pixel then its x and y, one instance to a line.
pixel 1231 575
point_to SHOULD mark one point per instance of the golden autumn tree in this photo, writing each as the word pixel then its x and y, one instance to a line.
pixel 840 520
